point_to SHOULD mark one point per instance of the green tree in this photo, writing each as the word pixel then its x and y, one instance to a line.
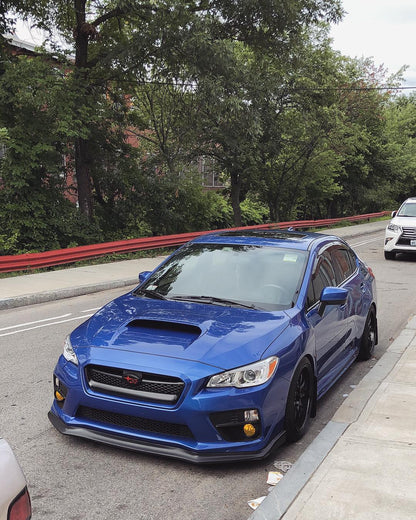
pixel 295 120
pixel 400 139
pixel 117 40
pixel 34 213
pixel 162 119
pixel 227 123
pixel 365 152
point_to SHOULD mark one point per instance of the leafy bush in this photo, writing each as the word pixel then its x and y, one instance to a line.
pixel 253 212
pixel 35 221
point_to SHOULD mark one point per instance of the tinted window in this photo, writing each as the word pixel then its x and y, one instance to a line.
pixel 344 263
pixel 266 277
pixel 323 276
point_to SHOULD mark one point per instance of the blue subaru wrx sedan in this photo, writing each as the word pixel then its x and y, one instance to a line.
pixel 222 352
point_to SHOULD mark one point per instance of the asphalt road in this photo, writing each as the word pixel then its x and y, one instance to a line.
pixel 73 479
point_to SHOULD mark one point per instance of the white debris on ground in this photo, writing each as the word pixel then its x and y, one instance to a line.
pixel 273 478
pixel 254 504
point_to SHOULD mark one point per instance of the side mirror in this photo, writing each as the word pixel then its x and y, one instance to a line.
pixel 332 296
pixel 144 275
pixel 393 214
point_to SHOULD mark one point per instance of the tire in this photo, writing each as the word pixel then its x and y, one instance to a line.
pixel 389 255
pixel 299 401
pixel 369 338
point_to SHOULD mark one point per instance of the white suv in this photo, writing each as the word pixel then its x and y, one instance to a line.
pixel 401 231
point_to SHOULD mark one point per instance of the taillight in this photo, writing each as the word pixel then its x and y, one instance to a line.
pixel 370 271
pixel 20 508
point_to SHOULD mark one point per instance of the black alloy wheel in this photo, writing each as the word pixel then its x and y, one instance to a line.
pixel 369 337
pixel 299 401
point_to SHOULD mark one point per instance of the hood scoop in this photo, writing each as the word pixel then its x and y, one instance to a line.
pixel 163 332
pixel 170 326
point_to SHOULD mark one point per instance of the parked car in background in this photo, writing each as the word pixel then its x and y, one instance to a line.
pixel 14 496
pixel 222 352
pixel 401 230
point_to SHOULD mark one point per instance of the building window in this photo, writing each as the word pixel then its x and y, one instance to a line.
pixel 210 173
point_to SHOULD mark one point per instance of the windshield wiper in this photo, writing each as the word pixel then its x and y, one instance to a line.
pixel 212 300
pixel 151 294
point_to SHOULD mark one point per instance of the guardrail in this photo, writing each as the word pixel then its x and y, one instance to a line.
pixel 75 254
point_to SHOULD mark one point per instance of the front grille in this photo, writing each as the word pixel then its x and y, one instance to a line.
pixel 409 233
pixel 140 386
pixel 133 423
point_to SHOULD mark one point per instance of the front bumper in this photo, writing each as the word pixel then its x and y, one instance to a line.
pixel 199 427
pixel 175 452
pixel 403 242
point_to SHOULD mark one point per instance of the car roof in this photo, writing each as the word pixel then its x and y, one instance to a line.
pixel 410 199
pixel 267 237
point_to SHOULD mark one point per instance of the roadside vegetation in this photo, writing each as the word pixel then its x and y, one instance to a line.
pixel 102 129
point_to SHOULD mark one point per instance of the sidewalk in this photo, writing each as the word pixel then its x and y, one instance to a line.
pixel 362 466
pixel 30 289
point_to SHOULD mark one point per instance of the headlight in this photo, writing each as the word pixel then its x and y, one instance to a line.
pixel 249 375
pixel 69 352
pixel 394 227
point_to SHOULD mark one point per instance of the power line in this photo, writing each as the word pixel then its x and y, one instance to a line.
pixel 287 88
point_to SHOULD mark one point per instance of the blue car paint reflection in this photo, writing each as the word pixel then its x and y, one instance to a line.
pixel 221 353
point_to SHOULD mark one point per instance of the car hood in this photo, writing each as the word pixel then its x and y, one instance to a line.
pixel 224 337
pixel 404 221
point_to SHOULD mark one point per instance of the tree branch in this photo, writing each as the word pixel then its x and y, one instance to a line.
pixel 119 11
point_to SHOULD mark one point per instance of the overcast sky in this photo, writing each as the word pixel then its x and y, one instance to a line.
pixel 382 29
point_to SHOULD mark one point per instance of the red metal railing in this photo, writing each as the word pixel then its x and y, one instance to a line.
pixel 75 254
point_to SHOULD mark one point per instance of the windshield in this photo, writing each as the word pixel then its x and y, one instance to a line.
pixel 407 210
pixel 234 275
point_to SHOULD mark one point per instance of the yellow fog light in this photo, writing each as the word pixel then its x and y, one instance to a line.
pixel 249 430
pixel 59 396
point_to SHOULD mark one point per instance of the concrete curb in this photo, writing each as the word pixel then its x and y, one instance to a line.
pixel 281 497
pixel 276 504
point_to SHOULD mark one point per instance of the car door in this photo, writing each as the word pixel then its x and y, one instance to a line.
pixel 333 330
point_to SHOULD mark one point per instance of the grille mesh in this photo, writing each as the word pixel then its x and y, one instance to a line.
pixel 133 423
pixel 151 387
pixel 409 232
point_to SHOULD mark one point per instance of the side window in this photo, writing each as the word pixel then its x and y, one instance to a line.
pixel 344 263
pixel 323 276
pixel 352 259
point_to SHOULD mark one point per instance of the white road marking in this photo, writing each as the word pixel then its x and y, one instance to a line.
pixel 45 325
pixel 38 321
pixel 367 241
